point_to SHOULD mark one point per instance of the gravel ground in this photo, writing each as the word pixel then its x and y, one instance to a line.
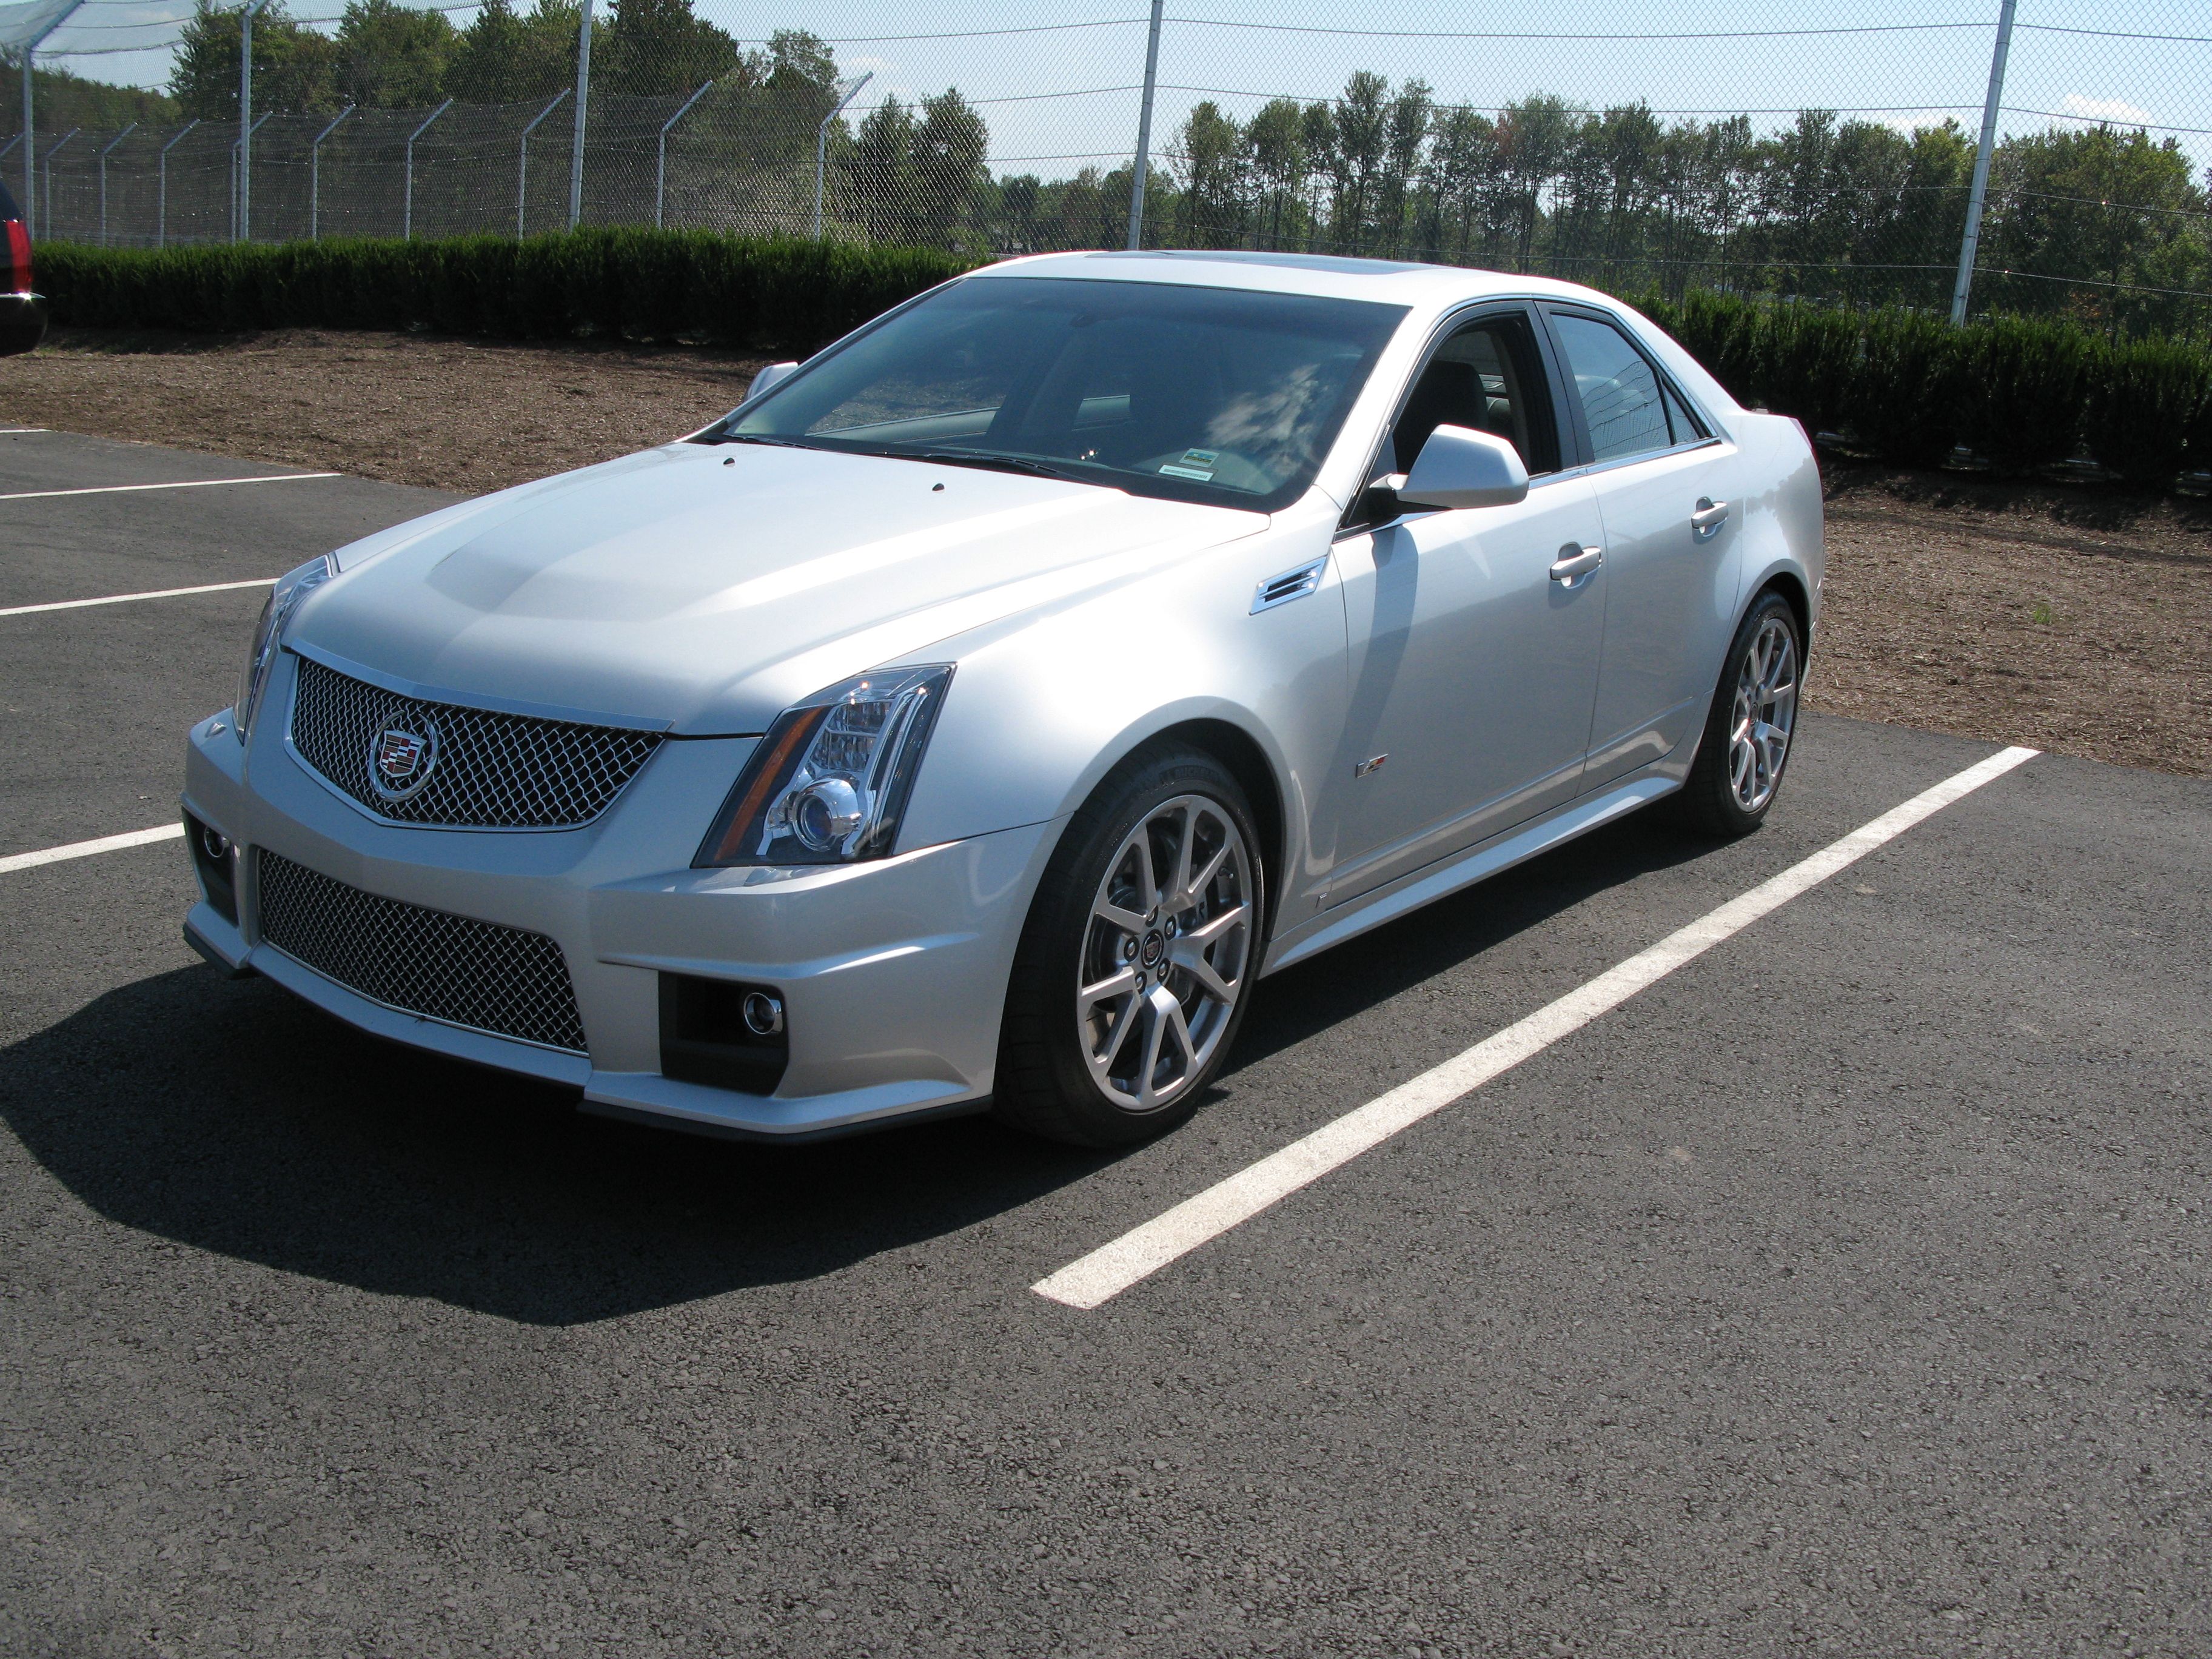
pixel 2066 617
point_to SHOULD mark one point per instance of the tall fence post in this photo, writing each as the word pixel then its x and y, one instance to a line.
pixel 407 200
pixel 583 99
pixel 1144 132
pixel 522 161
pixel 237 145
pixel 660 158
pixel 30 127
pixel 1975 197
pixel 111 143
pixel 162 186
pixel 315 176
pixel 852 90
pixel 246 16
pixel 46 214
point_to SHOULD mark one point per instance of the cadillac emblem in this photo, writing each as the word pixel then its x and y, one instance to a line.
pixel 402 757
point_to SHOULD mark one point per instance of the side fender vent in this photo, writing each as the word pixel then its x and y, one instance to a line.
pixel 1290 585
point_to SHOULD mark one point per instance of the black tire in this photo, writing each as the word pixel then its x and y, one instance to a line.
pixel 1045 1084
pixel 1711 802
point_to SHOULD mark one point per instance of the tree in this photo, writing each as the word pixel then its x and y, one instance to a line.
pixel 295 68
pixel 1210 212
pixel 504 57
pixel 662 47
pixel 392 56
pixel 949 145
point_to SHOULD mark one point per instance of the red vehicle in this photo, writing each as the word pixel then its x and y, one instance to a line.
pixel 22 312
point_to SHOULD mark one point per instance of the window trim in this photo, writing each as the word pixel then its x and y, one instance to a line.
pixel 1588 466
pixel 1570 445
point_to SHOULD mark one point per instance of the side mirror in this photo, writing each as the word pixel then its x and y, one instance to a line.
pixel 1459 468
pixel 769 376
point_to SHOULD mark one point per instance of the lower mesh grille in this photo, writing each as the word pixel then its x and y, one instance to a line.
pixel 446 968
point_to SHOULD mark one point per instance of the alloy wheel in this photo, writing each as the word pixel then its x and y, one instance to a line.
pixel 1764 715
pixel 1166 953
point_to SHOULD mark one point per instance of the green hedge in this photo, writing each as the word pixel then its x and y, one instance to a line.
pixel 2020 392
pixel 633 284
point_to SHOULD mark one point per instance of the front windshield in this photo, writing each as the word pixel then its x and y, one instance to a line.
pixel 1219 395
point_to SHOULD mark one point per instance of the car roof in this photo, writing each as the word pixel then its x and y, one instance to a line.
pixel 1389 282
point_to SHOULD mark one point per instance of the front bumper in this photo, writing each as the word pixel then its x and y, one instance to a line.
pixel 22 322
pixel 893 974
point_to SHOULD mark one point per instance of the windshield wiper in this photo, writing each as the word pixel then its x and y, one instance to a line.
pixel 988 462
pixel 755 438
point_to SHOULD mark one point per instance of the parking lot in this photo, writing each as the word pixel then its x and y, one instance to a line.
pixel 1844 1289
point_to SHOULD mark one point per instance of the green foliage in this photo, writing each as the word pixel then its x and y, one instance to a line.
pixel 295 68
pixel 2025 383
pixel 634 284
pixel 1809 355
pixel 2148 403
pixel 1904 400
pixel 60 100
pixel 506 57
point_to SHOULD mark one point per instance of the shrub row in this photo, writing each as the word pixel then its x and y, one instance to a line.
pixel 746 292
pixel 2022 393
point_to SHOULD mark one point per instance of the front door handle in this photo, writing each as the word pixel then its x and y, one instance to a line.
pixel 1576 561
pixel 1709 518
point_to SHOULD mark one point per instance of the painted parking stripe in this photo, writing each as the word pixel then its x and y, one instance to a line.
pixel 188 484
pixel 1114 1268
pixel 126 599
pixel 85 849
pixel 18 431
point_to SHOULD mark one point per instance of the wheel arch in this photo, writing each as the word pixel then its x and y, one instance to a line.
pixel 1791 586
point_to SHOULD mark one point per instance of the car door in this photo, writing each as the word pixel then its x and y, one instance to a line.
pixel 1473 665
pixel 1667 488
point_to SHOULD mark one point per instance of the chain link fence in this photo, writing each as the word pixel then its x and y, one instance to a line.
pixel 1737 147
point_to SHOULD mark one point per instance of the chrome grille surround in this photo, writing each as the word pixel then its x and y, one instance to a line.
pixel 500 981
pixel 491 770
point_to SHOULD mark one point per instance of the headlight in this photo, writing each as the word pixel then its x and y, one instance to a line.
pixel 828 782
pixel 269 632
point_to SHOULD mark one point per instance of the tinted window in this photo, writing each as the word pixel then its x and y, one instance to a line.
pixel 1220 395
pixel 1486 378
pixel 1619 393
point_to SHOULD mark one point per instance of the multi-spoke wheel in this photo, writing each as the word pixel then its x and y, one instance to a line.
pixel 1139 950
pixel 1164 967
pixel 1746 744
pixel 1763 713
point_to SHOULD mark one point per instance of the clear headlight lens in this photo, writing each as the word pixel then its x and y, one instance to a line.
pixel 268 633
pixel 830 781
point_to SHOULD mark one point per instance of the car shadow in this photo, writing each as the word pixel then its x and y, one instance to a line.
pixel 232 1117
pixel 1303 1001
pixel 235 1118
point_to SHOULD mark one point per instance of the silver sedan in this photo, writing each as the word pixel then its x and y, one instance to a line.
pixel 972 717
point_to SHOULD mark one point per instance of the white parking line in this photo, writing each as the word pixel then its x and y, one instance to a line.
pixel 125 599
pixel 18 431
pixel 1112 1269
pixel 189 483
pixel 85 849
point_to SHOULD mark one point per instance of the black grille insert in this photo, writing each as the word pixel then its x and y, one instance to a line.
pixel 476 769
pixel 446 968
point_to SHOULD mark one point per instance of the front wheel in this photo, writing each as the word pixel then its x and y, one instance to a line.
pixel 1746 744
pixel 1138 958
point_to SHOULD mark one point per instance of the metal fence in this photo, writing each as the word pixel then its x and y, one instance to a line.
pixel 2062 149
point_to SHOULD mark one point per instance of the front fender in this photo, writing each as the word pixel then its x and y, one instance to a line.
pixel 1037 715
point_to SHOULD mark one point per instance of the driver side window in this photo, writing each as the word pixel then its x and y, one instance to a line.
pixel 1486 377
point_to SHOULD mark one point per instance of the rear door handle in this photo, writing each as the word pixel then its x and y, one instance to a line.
pixel 1576 561
pixel 1710 517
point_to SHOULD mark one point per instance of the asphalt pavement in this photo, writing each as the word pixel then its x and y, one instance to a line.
pixel 1844 1291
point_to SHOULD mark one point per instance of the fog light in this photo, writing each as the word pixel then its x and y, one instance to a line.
pixel 215 844
pixel 764 1014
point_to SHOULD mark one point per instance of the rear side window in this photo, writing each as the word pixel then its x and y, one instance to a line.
pixel 1622 402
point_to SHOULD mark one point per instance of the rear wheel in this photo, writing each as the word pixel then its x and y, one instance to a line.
pixel 1137 960
pixel 1746 745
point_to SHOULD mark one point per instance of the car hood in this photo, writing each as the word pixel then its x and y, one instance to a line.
pixel 711 586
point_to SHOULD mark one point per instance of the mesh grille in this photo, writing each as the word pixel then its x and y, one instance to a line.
pixel 446 968
pixel 485 770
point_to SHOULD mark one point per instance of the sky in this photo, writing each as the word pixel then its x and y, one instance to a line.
pixel 1064 91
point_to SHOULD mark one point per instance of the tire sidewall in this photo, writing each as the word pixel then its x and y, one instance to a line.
pixel 1714 801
